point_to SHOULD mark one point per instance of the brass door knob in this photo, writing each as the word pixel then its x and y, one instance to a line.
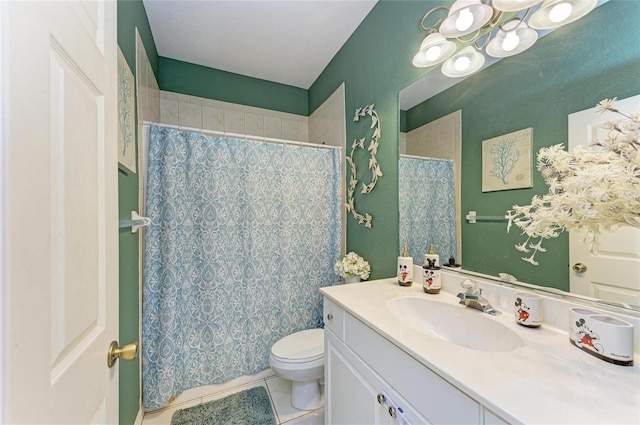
pixel 128 352
pixel 579 268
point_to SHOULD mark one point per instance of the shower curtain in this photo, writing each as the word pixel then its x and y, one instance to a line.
pixel 243 235
pixel 427 205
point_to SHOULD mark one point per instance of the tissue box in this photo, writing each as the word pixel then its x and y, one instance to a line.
pixel 602 336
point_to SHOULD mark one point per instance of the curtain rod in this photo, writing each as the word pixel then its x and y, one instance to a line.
pixel 240 136
pixel 424 158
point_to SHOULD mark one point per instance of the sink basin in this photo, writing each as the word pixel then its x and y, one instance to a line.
pixel 454 323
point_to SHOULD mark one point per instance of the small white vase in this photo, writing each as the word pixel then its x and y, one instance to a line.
pixel 353 279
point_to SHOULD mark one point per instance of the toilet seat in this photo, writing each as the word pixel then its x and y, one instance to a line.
pixel 300 347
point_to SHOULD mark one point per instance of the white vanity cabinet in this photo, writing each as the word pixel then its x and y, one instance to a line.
pixel 372 346
pixel 360 365
pixel 354 393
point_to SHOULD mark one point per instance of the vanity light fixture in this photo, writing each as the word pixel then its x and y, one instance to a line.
pixel 497 26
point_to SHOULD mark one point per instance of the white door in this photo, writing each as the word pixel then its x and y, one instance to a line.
pixel 613 270
pixel 59 200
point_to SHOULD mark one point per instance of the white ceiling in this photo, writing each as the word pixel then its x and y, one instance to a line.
pixel 288 42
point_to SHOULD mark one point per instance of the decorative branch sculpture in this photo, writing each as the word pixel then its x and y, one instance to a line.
pixel 376 172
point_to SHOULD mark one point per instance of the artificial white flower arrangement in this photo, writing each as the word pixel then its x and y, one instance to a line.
pixel 351 265
pixel 591 190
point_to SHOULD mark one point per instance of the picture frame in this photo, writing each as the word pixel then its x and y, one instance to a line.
pixel 126 117
pixel 507 161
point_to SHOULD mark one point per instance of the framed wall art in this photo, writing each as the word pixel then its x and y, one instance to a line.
pixel 126 117
pixel 506 161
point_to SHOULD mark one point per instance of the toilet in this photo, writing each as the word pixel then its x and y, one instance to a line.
pixel 299 357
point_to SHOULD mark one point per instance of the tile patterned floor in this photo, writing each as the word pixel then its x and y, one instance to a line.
pixel 279 392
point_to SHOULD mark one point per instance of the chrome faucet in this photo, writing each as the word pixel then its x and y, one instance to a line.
pixel 472 297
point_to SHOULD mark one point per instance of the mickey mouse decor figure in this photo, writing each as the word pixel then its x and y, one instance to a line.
pixel 522 311
pixel 403 273
pixel 431 279
pixel 605 337
pixel 405 268
pixel 528 311
pixel 586 337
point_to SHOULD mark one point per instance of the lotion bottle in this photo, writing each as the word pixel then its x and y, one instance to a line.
pixel 405 268
pixel 431 277
pixel 431 256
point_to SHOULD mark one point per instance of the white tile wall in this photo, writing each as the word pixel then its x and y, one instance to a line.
pixel 327 124
pixel 147 86
pixel 198 112
pixel 435 139
pixel 212 118
pixel 190 115
pixel 402 149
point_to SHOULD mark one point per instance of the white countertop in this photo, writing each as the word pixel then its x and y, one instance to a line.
pixel 546 381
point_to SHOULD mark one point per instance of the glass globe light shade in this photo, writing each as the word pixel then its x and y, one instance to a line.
pixel 465 17
pixel 433 50
pixel 554 13
pixel 464 63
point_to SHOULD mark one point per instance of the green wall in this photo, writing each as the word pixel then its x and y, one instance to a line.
pixel 131 14
pixel 375 64
pixel 569 70
pixel 229 87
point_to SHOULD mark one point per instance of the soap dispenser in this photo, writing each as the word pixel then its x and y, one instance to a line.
pixel 431 277
pixel 432 256
pixel 405 268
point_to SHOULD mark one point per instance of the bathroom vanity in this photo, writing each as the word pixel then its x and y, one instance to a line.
pixel 397 355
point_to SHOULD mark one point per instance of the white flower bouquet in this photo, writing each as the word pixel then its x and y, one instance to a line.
pixel 351 265
pixel 592 190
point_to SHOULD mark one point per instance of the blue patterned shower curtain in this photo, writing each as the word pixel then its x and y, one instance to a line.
pixel 427 203
pixel 243 235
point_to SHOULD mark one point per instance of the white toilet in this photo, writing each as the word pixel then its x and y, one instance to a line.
pixel 299 357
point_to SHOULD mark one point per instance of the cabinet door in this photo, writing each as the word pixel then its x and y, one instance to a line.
pixel 349 398
pixel 352 391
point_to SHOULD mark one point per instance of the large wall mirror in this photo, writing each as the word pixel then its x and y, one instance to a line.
pixel 568 70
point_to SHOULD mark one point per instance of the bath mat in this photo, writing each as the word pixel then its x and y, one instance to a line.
pixel 248 407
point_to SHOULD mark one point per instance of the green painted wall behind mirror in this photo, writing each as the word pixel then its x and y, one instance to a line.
pixel 566 71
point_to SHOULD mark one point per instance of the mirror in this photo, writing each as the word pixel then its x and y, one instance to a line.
pixel 566 71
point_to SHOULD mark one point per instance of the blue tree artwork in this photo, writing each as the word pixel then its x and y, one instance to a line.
pixel 506 161
pixel 504 157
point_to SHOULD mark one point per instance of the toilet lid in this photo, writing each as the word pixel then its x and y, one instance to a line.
pixel 300 346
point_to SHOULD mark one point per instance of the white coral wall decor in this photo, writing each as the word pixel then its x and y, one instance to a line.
pixel 591 190
pixel 376 172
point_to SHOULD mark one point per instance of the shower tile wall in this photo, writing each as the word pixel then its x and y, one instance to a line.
pixel 327 125
pixel 146 85
pixel 198 112
pixel 440 138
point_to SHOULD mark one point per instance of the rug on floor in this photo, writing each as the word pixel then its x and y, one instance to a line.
pixel 248 407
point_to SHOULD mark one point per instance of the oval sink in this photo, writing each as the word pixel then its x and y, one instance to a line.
pixel 454 323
